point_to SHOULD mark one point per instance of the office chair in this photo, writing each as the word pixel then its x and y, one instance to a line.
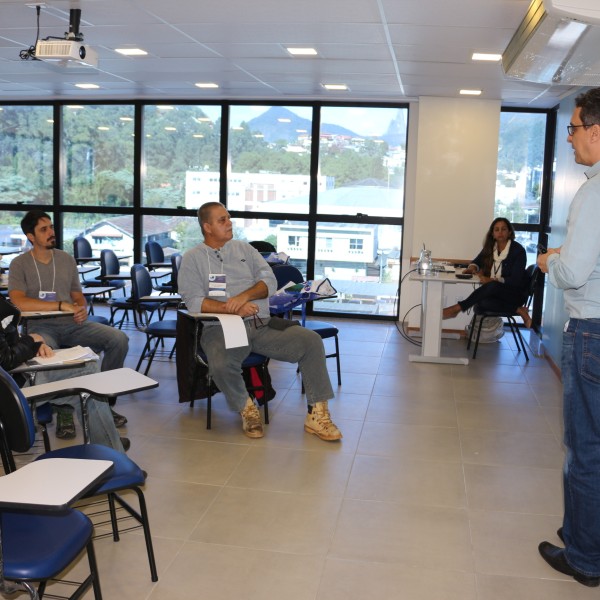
pixel 17 434
pixel 82 250
pixel 37 544
pixel 171 286
pixel 156 331
pixel 286 273
pixel 252 361
pixel 532 272
pixel 263 246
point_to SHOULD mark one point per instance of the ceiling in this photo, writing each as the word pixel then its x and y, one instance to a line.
pixel 383 50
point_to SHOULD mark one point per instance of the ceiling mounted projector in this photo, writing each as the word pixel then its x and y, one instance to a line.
pixel 556 43
pixel 66 52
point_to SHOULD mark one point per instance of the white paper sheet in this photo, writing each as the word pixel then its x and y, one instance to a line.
pixel 234 329
pixel 65 355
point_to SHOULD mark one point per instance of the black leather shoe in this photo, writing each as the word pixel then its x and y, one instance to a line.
pixel 555 557
pixel 126 443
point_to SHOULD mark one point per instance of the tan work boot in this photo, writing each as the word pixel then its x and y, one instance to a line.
pixel 318 422
pixel 251 423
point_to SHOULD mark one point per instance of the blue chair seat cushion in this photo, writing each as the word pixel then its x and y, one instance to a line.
pixel 124 474
pixel 39 546
pixel 324 329
pixel 167 327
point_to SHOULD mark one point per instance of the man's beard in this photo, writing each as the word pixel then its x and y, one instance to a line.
pixel 51 244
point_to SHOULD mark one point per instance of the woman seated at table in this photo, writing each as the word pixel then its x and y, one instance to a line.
pixel 500 267
pixel 15 349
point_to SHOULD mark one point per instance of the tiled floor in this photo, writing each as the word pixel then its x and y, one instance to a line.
pixel 446 480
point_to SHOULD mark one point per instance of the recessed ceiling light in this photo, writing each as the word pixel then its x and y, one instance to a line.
pixel 470 92
pixel 170 128
pixel 103 128
pixel 335 86
pixel 207 85
pixel 302 51
pixel 125 118
pixel 237 128
pixel 284 120
pixel 87 86
pixel 197 135
pixel 486 56
pixel 131 51
pixel 47 120
pixel 74 106
pixel 165 107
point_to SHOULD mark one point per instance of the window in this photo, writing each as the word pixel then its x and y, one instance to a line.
pixel 293 240
pixel 520 175
pixel 181 148
pixel 98 155
pixel 355 244
pixel 26 154
pixel 362 153
pixel 269 151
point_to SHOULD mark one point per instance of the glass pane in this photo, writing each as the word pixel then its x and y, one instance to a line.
pixel 520 167
pixel 277 233
pixel 26 159
pixel 12 239
pixel 181 155
pixel 363 264
pixel 362 154
pixel 529 241
pixel 98 153
pixel 111 232
pixel 269 152
pixel 174 234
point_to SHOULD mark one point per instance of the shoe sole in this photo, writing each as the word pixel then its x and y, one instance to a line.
pixel 325 438
pixel 254 434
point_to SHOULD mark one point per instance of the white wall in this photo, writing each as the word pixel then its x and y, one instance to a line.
pixel 451 182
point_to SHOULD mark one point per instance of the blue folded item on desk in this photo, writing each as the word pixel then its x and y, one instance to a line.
pixel 293 294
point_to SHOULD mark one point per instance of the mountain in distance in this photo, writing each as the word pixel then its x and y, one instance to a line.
pixel 273 129
pixel 269 125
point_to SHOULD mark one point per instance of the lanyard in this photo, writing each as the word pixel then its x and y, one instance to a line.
pixel 38 272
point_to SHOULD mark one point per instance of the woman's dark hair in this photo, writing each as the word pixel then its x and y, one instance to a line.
pixel 488 244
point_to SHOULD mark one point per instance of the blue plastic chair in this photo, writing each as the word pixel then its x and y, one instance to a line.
pixel 36 545
pixel 17 434
pixel 286 273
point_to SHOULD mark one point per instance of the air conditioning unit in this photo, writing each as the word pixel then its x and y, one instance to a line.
pixel 66 53
pixel 556 43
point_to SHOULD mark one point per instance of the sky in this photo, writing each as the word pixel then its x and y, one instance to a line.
pixel 363 120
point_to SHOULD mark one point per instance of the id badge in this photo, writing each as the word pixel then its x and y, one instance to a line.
pixel 48 296
pixel 217 284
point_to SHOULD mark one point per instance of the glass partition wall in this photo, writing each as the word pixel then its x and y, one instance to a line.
pixel 324 184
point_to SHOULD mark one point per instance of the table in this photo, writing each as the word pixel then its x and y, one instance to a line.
pixel 32 315
pixel 92 291
pixel 106 384
pixel 432 296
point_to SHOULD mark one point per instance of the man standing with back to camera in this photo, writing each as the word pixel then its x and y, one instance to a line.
pixel 575 268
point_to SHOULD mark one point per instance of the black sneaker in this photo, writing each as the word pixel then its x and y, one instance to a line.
pixel 65 425
pixel 126 443
pixel 119 420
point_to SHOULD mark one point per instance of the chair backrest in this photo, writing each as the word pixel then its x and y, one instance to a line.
pixel 81 248
pixel 141 282
pixel 16 421
pixel 175 264
pixel 154 253
pixel 532 272
pixel 286 273
pixel 109 263
pixel 263 246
